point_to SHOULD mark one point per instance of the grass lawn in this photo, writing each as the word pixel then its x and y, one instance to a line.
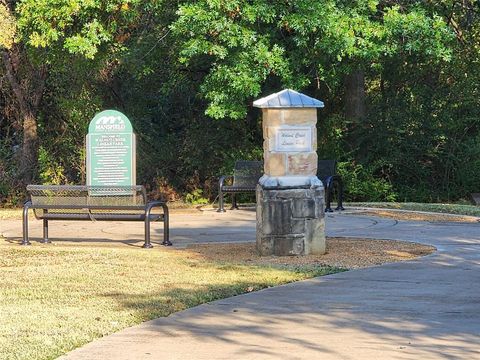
pixel 54 298
pixel 458 209
pixel 6 214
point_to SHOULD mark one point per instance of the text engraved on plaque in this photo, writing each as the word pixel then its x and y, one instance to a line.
pixel 294 139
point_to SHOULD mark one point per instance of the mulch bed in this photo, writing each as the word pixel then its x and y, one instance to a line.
pixel 348 253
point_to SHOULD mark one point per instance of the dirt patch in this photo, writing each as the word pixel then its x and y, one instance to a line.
pixel 417 216
pixel 345 253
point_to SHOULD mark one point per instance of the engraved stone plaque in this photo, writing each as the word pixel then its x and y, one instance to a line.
pixel 293 139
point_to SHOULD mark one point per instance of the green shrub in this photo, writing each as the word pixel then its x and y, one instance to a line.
pixel 196 197
pixel 50 171
pixel 361 185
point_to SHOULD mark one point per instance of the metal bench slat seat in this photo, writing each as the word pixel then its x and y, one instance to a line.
pixel 102 203
pixel 100 217
pixel 232 189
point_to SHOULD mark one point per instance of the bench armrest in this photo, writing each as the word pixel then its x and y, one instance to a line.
pixel 166 227
pixel 151 204
pixel 221 181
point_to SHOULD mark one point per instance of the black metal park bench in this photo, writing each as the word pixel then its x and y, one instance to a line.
pixel 245 179
pixel 97 203
pixel 327 172
pixel 246 175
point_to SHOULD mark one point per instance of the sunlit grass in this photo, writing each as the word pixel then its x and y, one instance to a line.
pixel 55 298
pixel 459 209
pixel 10 214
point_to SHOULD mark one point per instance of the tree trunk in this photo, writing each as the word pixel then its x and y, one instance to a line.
pixel 29 156
pixel 28 97
pixel 355 95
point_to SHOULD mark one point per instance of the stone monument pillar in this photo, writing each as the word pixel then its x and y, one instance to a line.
pixel 290 197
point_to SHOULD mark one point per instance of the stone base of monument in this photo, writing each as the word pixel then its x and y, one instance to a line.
pixel 290 221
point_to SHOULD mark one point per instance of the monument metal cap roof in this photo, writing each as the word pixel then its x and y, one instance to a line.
pixel 286 99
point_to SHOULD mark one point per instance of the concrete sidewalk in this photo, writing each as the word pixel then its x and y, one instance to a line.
pixel 185 228
pixel 423 309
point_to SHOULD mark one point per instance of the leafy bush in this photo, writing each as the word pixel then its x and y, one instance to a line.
pixel 50 171
pixel 361 185
pixel 196 198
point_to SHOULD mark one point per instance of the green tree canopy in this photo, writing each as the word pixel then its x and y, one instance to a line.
pixel 7 27
pixel 400 80
pixel 249 45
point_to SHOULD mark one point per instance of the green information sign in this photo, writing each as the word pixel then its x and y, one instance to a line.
pixel 111 150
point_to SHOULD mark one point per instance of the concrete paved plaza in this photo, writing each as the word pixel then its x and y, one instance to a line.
pixel 428 308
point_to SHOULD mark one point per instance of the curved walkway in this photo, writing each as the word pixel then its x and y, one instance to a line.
pixel 428 308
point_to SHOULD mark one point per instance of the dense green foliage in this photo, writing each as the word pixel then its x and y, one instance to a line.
pixel 186 73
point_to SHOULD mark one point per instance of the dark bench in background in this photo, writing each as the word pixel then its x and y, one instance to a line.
pixel 327 172
pixel 245 179
pixel 97 203
pixel 246 175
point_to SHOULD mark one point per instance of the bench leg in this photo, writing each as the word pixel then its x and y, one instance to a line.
pixel 166 227
pixel 147 244
pixel 234 202
pixel 328 198
pixel 221 201
pixel 340 197
pixel 45 231
pixel 26 206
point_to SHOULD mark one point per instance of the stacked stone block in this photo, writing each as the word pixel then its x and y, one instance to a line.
pixel 290 221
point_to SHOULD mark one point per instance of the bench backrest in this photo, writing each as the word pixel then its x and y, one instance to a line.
pixel 247 173
pixel 326 168
pixel 78 196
